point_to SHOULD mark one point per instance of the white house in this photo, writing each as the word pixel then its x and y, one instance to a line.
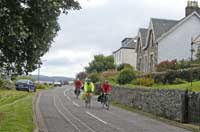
pixel 167 39
pixel 126 53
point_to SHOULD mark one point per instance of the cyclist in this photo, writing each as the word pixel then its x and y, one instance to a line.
pixel 105 90
pixel 77 84
pixel 105 87
pixel 88 89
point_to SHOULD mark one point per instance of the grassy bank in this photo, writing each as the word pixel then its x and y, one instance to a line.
pixel 16 111
pixel 195 86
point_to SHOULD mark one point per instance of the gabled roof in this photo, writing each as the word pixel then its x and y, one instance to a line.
pixel 178 24
pixel 197 39
pixel 143 32
pixel 161 26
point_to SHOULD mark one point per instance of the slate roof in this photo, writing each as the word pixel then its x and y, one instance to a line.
pixel 143 32
pixel 131 43
pixel 161 26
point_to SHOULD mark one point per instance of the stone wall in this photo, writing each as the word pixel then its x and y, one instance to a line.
pixel 165 103
pixel 178 105
pixel 194 108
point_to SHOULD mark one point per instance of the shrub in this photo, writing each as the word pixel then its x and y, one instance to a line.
pixel 126 76
pixel 144 81
pixel 179 81
pixel 170 76
pixel 6 84
pixel 94 77
pixel 41 86
pixel 109 75
pixel 166 65
pixel 124 66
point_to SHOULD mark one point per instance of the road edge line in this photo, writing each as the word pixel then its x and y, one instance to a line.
pixel 37 116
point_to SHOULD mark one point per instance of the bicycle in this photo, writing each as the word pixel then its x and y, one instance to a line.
pixel 88 100
pixel 77 92
pixel 105 100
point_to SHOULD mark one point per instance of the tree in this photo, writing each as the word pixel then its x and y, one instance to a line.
pixel 101 63
pixel 28 28
pixel 95 77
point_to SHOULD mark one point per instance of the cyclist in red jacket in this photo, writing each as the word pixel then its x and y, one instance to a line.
pixel 105 87
pixel 78 85
pixel 104 98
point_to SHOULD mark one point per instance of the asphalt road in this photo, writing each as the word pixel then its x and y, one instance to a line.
pixel 60 111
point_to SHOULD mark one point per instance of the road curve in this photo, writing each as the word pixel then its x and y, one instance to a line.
pixel 62 112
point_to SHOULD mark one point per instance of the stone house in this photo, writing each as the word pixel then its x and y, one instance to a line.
pixel 126 53
pixel 167 39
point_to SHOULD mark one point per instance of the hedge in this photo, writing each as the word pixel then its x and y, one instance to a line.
pixel 171 75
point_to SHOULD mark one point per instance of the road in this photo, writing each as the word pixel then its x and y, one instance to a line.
pixel 60 111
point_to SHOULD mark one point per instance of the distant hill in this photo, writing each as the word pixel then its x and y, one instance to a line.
pixel 52 78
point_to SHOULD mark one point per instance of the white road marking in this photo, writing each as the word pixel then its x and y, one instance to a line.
pixel 77 105
pixel 65 92
pixel 68 98
pixel 75 116
pixel 65 116
pixel 99 119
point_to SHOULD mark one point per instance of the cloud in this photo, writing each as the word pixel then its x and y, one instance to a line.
pixel 92 3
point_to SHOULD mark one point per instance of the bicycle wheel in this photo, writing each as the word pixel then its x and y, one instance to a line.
pixel 88 101
pixel 107 103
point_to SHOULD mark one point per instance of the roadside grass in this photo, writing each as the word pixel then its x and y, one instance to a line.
pixel 16 111
pixel 191 127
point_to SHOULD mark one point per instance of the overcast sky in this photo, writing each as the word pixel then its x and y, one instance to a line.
pixel 99 27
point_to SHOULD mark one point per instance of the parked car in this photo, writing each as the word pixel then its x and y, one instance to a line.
pixel 25 85
pixel 57 84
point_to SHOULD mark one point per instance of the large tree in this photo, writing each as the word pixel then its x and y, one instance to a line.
pixel 101 63
pixel 27 30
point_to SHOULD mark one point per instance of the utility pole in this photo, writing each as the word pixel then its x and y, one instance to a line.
pixel 195 41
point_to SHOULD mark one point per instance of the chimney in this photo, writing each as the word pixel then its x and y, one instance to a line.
pixel 191 7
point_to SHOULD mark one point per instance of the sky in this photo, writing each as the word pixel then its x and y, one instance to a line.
pixel 99 27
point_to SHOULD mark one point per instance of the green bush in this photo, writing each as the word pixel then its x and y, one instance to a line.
pixel 179 81
pixel 41 86
pixel 94 77
pixel 6 84
pixel 110 75
pixel 126 76
pixel 124 66
pixel 144 82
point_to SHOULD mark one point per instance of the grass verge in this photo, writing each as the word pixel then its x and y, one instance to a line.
pixel 170 122
pixel 16 111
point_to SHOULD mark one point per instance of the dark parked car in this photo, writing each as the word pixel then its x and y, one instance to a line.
pixel 25 85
